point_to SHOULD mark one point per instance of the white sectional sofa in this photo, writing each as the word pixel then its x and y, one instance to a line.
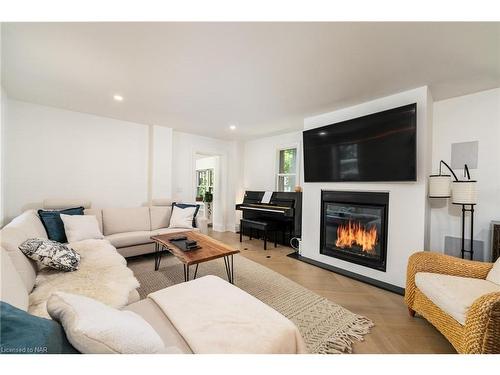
pixel 17 267
pixel 237 323
pixel 130 229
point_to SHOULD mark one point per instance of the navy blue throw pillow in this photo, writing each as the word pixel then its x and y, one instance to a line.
pixel 54 225
pixel 23 333
pixel 185 205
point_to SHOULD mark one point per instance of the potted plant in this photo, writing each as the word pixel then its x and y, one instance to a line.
pixel 209 197
pixel 200 194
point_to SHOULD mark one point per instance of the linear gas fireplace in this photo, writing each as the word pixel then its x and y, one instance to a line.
pixel 354 227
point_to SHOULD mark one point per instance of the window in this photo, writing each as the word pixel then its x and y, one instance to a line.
pixel 287 169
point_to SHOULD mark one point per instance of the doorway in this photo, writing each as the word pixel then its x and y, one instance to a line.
pixel 207 188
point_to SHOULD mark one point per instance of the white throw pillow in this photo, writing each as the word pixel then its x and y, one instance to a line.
pixel 494 274
pixel 95 328
pixel 81 227
pixel 182 217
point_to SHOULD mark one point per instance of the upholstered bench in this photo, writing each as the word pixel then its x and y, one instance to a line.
pixel 210 315
pixel 264 226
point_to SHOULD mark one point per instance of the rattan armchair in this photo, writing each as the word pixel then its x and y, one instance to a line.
pixel 481 332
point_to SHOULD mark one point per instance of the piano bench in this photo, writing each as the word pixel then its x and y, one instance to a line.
pixel 261 225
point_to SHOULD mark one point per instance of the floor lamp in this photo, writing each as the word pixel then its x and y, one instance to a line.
pixel 461 192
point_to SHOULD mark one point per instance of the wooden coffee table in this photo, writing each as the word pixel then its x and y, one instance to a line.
pixel 210 249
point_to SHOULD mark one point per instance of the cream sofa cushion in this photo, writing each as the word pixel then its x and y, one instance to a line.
pixel 29 222
pixel 12 288
pixel 130 238
pixel 97 212
pixel 25 267
pixel 453 294
pixel 494 274
pixel 120 220
pixel 160 216
pixel 95 328
pixel 27 225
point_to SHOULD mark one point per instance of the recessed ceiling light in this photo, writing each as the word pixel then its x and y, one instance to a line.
pixel 118 98
pixel 232 127
pixel 322 133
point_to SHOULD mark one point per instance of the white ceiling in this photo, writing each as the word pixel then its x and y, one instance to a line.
pixel 264 77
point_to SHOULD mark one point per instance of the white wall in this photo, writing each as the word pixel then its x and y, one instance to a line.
pixel 208 162
pixel 260 160
pixel 54 153
pixel 407 201
pixel 161 139
pixel 185 148
pixel 473 117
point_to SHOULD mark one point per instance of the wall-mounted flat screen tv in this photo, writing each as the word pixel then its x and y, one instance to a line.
pixel 377 147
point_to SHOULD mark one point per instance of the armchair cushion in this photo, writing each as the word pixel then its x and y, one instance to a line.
pixel 494 274
pixel 453 294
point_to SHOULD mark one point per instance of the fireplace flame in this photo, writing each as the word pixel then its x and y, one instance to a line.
pixel 353 233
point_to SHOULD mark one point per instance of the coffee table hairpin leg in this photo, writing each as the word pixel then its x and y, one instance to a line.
pixel 186 272
pixel 229 268
pixel 158 252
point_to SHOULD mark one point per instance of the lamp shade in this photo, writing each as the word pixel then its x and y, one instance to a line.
pixel 439 186
pixel 464 192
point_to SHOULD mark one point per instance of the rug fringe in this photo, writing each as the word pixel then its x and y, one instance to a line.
pixel 341 342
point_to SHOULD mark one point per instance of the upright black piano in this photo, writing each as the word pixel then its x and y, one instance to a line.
pixel 285 207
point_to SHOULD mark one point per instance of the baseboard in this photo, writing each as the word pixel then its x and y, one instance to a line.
pixel 352 275
pixel 218 228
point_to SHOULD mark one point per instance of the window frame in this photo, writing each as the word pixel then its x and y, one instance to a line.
pixel 277 173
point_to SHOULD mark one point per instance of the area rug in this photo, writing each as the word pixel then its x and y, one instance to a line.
pixel 327 328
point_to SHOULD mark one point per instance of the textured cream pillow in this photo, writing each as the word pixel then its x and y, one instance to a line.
pixel 182 217
pixel 81 227
pixel 494 274
pixel 95 328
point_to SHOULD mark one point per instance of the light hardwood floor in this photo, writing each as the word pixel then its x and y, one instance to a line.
pixel 394 332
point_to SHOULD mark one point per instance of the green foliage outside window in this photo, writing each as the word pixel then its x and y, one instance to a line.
pixel 288 159
pixel 287 169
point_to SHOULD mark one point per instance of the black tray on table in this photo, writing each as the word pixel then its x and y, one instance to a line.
pixel 181 244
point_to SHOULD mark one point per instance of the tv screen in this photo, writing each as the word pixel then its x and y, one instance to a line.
pixel 377 147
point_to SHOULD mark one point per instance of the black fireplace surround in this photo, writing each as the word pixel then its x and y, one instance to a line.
pixel 354 227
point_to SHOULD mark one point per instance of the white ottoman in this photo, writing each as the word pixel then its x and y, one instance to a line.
pixel 213 316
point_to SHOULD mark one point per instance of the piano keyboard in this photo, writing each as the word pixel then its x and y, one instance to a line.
pixel 261 209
